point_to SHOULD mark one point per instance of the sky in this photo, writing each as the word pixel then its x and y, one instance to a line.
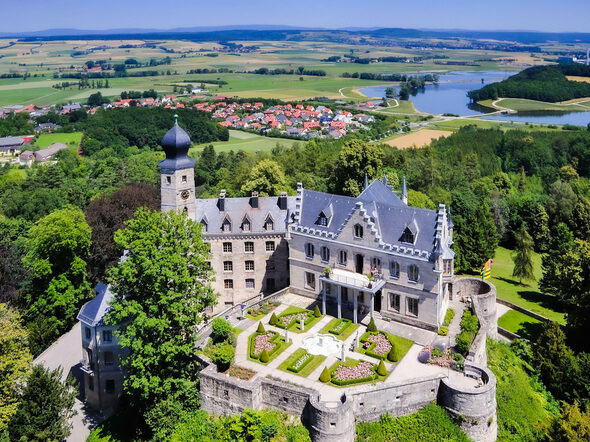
pixel 539 15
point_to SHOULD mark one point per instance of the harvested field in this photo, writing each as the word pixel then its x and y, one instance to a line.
pixel 574 78
pixel 420 138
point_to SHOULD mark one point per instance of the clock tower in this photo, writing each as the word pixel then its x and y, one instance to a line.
pixel 177 173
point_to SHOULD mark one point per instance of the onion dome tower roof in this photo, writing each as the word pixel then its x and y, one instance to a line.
pixel 176 143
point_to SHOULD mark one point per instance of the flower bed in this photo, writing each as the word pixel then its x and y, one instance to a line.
pixel 287 320
pixel 443 357
pixel 340 326
pixel 263 309
pixel 377 345
pixel 300 363
pixel 268 341
pixel 353 372
pixel 241 373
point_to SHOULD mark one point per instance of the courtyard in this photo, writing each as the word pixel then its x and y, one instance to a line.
pixel 293 343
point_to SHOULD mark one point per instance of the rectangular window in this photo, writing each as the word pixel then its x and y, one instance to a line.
pixel 110 386
pixel 358 231
pixel 246 226
pixel 249 283
pixel 107 336
pixel 394 269
pixel 447 264
pixel 342 258
pixel 228 266
pixel 310 280
pixel 228 283
pixel 325 252
pixel 394 301
pixel 109 358
pixel 226 226
pixel 413 273
pixel 227 247
pixel 309 251
pixel 87 332
pixel 249 247
pixel 413 306
pixel 184 179
pixel 168 180
pixel 376 264
pixel 270 246
pixel 249 266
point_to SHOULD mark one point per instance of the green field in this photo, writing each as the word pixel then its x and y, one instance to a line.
pixel 305 371
pixel 521 324
pixel 70 139
pixel 522 104
pixel 528 294
pixel 246 141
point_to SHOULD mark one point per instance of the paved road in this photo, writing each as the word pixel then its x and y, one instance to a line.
pixel 66 353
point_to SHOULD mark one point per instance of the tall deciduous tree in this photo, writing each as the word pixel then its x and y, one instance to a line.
pixel 523 259
pixel 46 405
pixel 162 289
pixel 56 251
pixel 356 159
pixel 267 178
pixel 15 361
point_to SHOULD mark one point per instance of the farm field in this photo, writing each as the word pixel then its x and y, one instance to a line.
pixel 420 138
pixel 70 139
pixel 246 142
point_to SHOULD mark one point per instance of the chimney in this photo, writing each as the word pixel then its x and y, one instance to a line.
pixel 254 200
pixel 221 201
pixel 282 203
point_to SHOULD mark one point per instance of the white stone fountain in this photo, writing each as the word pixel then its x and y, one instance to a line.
pixel 322 345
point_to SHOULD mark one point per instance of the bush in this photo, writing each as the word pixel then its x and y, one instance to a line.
pixel 260 328
pixel 437 352
pixel 463 342
pixel 222 355
pixel 273 319
pixel 381 370
pixel 443 331
pixel 458 361
pixel 316 312
pixel 221 329
pixel 393 355
pixel 372 327
pixel 325 376
pixel 264 357
pixel 449 316
pixel 469 322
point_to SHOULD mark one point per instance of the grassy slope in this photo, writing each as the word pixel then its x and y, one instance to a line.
pixel 71 139
pixel 521 324
pixel 522 410
pixel 522 104
pixel 247 142
pixel 526 295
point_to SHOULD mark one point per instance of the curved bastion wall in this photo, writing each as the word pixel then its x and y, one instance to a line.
pixel 472 402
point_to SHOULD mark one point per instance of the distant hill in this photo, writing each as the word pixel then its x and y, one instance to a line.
pixel 281 32
pixel 541 83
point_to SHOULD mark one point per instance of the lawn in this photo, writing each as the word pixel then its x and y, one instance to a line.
pixel 522 104
pixel 525 295
pixel 70 139
pixel 295 327
pixel 247 142
pixel 309 367
pixel 523 325
pixel 342 336
pixel 280 341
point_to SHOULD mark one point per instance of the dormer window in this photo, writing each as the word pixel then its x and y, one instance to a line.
pixel 269 224
pixel 246 225
pixel 407 236
pixel 358 231
pixel 226 226
pixel 322 220
pixel 204 226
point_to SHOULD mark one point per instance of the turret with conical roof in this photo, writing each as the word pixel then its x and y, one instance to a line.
pixel 177 172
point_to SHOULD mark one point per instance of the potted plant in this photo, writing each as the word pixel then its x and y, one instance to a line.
pixel 371 277
pixel 327 271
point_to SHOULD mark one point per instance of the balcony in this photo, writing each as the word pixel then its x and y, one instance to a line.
pixel 87 367
pixel 353 280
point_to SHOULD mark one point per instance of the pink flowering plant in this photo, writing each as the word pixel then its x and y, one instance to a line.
pixel 293 319
pixel 376 345
pixel 259 342
pixel 352 373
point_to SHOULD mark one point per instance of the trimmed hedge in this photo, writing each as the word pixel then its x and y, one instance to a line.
pixel 469 327
pixel 443 331
pixel 449 316
pixel 310 317
pixel 338 328
pixel 369 351
pixel 303 364
pixel 352 381
pixel 275 340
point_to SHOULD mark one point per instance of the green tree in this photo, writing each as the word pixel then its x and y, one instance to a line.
pixel 523 259
pixel 162 289
pixel 46 405
pixel 503 183
pixel 325 376
pixel 581 219
pixel 561 203
pixel 267 178
pixel 419 199
pixel 573 425
pixel 15 362
pixel 56 250
pixel 522 181
pixel 221 329
pixel 356 159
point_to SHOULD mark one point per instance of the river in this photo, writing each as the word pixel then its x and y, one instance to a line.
pixel 450 96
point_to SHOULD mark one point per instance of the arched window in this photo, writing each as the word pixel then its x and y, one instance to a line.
pixel 413 273
pixel 394 269
pixel 325 253
pixel 204 226
pixel 358 231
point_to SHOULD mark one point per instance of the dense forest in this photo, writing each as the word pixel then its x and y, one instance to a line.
pixel 58 224
pixel 541 83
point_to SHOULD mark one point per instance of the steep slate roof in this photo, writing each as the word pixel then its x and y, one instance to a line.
pixel 93 312
pixel 237 208
pixel 386 211
pixel 11 141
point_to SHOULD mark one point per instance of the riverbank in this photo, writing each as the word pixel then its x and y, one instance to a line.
pixel 525 105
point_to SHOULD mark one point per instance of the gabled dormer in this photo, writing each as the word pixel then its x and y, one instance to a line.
pixel 269 224
pixel 246 224
pixel 410 233
pixel 226 224
pixel 325 216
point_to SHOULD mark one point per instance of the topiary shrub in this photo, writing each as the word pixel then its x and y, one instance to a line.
pixel 325 376
pixel 223 355
pixel 372 327
pixel 273 319
pixel 264 357
pixel 220 329
pixel 381 370
pixel 260 328
pixel 443 331
pixel 393 355
pixel 316 312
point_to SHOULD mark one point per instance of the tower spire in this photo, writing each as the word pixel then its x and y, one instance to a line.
pixel 404 192
pixel 366 180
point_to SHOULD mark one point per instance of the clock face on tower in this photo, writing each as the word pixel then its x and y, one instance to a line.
pixel 185 194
